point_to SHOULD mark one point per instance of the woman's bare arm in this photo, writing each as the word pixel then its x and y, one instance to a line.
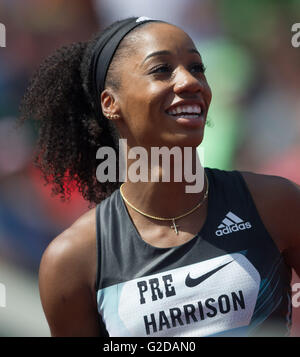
pixel 278 202
pixel 66 281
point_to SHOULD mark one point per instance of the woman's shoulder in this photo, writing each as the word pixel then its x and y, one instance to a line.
pixel 272 188
pixel 73 252
pixel 67 278
pixel 277 200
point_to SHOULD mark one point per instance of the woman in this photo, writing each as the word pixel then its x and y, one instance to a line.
pixel 151 259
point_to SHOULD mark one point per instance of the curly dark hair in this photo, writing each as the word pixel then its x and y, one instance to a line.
pixel 59 98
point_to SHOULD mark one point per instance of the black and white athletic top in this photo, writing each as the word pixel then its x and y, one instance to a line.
pixel 228 280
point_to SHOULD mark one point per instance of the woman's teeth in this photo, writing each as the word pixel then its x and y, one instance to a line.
pixel 186 111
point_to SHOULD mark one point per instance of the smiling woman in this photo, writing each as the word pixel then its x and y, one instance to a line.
pixel 152 259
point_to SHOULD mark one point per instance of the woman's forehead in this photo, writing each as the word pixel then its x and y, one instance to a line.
pixel 160 37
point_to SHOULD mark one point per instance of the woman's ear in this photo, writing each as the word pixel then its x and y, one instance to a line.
pixel 109 104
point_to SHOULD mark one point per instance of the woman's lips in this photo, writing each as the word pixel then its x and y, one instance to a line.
pixel 187 114
pixel 194 121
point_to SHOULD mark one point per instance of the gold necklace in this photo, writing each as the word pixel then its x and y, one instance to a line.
pixel 173 219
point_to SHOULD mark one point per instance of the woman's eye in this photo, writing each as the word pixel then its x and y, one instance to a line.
pixel 166 68
pixel 161 69
pixel 198 67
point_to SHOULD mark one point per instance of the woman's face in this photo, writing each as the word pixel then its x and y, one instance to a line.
pixel 164 96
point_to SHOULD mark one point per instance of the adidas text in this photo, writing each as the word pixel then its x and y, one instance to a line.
pixel 233 228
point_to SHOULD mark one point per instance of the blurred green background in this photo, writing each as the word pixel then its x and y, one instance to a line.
pixel 254 74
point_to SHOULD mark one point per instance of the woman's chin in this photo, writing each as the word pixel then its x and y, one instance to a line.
pixel 191 139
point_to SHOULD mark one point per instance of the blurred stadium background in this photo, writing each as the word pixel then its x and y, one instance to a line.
pixel 252 68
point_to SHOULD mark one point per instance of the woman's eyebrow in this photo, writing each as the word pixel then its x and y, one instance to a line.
pixel 193 50
pixel 165 52
pixel 157 53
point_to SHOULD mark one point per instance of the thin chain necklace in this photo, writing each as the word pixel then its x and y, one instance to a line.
pixel 173 219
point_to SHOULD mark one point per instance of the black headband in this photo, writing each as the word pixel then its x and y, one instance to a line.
pixel 104 52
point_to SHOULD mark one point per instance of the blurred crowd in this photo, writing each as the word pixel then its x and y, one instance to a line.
pixel 252 68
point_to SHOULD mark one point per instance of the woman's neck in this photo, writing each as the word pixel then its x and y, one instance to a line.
pixel 170 188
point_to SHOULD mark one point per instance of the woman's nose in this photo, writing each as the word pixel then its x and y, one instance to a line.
pixel 186 82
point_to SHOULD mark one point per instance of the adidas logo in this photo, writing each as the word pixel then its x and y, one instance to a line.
pixel 232 223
